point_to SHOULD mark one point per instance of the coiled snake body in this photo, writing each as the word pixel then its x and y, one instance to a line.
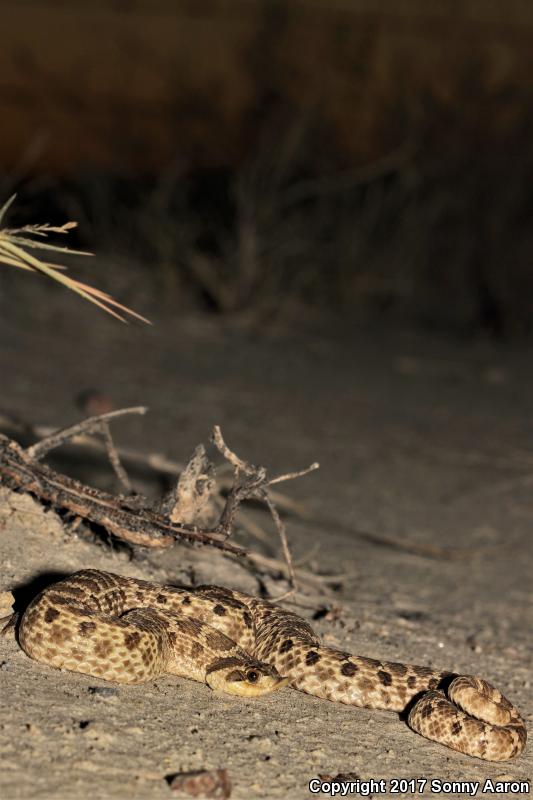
pixel 130 631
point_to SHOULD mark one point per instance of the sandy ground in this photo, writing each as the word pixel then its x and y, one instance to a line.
pixel 421 439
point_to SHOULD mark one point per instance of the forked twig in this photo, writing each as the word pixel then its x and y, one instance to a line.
pixel 89 425
pixel 255 484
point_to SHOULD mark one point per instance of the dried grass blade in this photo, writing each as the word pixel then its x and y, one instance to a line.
pixel 71 284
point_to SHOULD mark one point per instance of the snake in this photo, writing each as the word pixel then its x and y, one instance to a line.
pixel 131 631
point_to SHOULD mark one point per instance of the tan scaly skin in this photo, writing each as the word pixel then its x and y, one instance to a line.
pixel 130 631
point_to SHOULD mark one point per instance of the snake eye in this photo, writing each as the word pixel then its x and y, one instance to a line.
pixel 252 676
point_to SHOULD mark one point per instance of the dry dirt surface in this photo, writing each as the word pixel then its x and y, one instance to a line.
pixel 425 441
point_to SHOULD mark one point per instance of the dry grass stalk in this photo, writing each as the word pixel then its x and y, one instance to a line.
pixel 13 242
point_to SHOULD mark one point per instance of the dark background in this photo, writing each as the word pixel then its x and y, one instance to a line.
pixel 273 159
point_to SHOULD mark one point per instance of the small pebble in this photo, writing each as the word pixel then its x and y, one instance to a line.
pixel 6 603
pixel 94 402
pixel 32 729
pixel 202 783
pixel 103 691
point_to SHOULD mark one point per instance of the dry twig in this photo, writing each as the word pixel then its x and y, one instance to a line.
pixel 165 466
pixel 255 484
pixel 86 426
pixel 133 518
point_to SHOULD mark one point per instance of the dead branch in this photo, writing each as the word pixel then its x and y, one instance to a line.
pixel 123 517
pixel 165 466
pixel 133 518
pixel 154 461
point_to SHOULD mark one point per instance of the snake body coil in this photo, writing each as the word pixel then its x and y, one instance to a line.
pixel 130 631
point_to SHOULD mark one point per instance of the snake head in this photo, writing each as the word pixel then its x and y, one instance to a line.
pixel 247 678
